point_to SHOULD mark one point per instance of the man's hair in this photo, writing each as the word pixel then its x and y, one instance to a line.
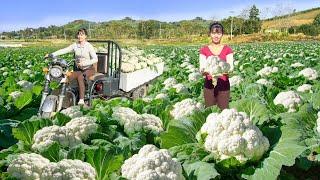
pixel 216 25
pixel 82 30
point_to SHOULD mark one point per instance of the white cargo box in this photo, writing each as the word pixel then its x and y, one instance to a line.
pixel 129 81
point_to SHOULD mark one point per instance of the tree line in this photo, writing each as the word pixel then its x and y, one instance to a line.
pixel 128 28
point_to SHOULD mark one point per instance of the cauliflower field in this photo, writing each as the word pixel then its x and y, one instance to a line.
pixel 270 131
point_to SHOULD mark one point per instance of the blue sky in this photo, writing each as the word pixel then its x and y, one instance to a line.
pixel 18 14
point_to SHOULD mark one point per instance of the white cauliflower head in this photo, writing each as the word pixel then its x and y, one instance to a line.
pixel 170 82
pixel 288 99
pixel 134 122
pixel 68 169
pixel 26 85
pixel 193 70
pixel 72 112
pixel 277 60
pixel 161 96
pixel 82 127
pixel 48 135
pixel 185 107
pixel 180 88
pixel 143 64
pixel 185 64
pixel 137 66
pixel 267 71
pixel 124 114
pixel 151 122
pixel 15 94
pixel 69 135
pixel 264 82
pixel 214 66
pixel 151 163
pixel 304 88
pixel 5 74
pixel 28 166
pixel 297 64
pixel 134 59
pixel 190 66
pixel 309 73
pixel 31 166
pixel 127 67
pixel 27 71
pixel 232 134
pixel 147 99
pixel 4 69
pixel 267 56
pixel 235 80
pixel 195 76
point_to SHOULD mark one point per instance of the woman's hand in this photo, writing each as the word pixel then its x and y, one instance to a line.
pixel 79 62
pixel 48 56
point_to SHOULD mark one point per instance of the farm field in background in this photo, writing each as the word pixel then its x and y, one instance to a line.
pixel 176 116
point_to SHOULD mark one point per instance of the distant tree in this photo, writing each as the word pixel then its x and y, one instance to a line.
pixel 254 13
pixel 198 19
pixel 308 29
pixel 128 19
pixel 316 20
pixel 253 24
pixel 148 29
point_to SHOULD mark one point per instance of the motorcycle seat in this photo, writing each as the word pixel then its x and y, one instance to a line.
pixel 96 76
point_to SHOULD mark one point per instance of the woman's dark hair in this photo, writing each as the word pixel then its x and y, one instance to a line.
pixel 216 25
pixel 82 30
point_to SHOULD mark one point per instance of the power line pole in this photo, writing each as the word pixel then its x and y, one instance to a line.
pixel 89 30
pixel 231 24
pixel 160 31
pixel 64 34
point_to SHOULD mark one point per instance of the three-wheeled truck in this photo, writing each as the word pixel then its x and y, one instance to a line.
pixel 108 81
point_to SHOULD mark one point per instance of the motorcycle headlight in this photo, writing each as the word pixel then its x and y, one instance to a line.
pixel 55 72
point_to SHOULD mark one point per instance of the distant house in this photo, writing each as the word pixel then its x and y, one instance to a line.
pixel 53 37
pixel 3 37
pixel 271 30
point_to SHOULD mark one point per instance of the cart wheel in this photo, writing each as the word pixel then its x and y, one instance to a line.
pixel 139 92
pixel 93 94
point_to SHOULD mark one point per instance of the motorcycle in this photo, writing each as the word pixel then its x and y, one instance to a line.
pixel 53 100
pixel 104 84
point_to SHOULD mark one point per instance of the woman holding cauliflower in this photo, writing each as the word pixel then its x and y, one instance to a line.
pixel 216 60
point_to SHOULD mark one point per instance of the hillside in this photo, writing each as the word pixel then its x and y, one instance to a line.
pixel 129 28
pixel 296 19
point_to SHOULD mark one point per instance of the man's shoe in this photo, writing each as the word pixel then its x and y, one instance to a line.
pixel 81 102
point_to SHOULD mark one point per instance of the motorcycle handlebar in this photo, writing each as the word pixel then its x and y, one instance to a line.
pixel 56 59
pixel 61 61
